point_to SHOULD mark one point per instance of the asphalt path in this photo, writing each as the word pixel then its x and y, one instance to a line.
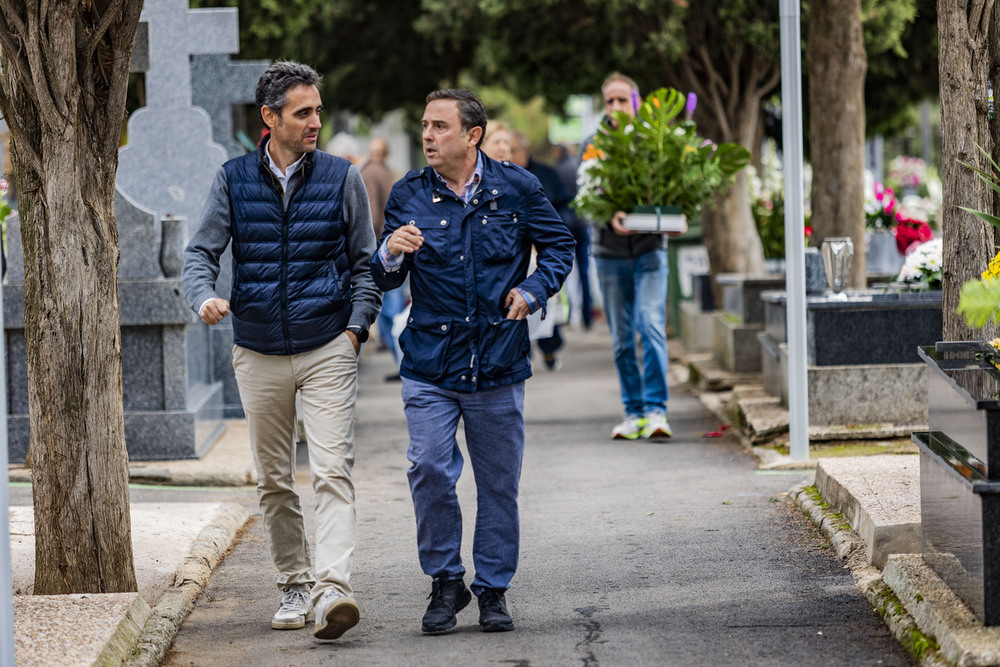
pixel 674 553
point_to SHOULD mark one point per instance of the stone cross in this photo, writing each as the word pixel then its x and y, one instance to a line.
pixel 217 85
pixel 170 159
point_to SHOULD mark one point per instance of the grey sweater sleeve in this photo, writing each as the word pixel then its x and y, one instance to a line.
pixel 201 257
pixel 366 299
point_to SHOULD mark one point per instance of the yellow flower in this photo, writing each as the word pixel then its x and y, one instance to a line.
pixel 592 153
pixel 995 343
pixel 993 270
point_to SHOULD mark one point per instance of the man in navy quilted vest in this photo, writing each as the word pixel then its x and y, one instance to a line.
pixel 462 228
pixel 301 304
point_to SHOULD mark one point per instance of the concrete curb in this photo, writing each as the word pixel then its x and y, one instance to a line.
pixel 192 576
pixel 852 549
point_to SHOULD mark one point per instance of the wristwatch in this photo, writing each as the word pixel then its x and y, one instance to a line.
pixel 362 334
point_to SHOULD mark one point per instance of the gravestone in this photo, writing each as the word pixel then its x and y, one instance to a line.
pixel 168 414
pixel 861 350
pixel 219 84
pixel 171 158
pixel 174 367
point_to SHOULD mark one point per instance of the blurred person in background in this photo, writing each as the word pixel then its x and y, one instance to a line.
pixel 378 182
pixel 496 141
pixel 545 332
pixel 566 167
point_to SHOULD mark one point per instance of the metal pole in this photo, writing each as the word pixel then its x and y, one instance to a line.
pixel 795 255
pixel 6 576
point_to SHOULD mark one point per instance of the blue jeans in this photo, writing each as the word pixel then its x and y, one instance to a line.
pixel 635 300
pixel 494 436
pixel 393 303
pixel 582 235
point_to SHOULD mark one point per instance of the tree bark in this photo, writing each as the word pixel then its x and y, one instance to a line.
pixel 730 112
pixel 969 40
pixel 62 92
pixel 837 63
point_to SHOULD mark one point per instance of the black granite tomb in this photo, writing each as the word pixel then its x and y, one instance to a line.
pixel 960 473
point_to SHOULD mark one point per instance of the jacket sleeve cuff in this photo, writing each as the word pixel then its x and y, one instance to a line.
pixel 389 262
pixel 533 303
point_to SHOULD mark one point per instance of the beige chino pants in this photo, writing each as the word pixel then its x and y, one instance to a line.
pixel 326 379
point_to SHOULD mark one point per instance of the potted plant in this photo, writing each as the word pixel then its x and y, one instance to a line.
pixel 654 165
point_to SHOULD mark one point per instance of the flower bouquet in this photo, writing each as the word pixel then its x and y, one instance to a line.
pixel 654 160
pixel 922 267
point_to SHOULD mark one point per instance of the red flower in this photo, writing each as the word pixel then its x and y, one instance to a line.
pixel 910 233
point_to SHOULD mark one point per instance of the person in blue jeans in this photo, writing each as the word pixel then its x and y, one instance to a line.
pixel 462 230
pixel 632 272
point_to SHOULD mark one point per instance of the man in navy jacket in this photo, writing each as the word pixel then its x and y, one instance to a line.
pixel 462 229
pixel 302 302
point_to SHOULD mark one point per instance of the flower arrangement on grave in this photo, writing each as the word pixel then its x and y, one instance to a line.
pixel 881 208
pixel 654 159
pixel 767 202
pixel 922 266
pixel 908 173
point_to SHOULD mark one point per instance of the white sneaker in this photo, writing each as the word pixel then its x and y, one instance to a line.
pixel 294 609
pixel 630 429
pixel 657 426
pixel 335 614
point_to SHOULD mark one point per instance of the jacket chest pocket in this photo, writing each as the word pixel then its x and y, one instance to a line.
pixel 435 250
pixel 500 234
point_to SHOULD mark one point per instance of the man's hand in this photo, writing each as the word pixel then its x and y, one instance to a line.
pixel 353 337
pixel 213 310
pixel 517 307
pixel 405 239
pixel 618 224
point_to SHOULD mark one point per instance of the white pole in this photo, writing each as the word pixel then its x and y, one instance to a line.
pixel 795 255
pixel 6 576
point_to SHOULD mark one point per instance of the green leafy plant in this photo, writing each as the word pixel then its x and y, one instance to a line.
pixel 979 300
pixel 654 160
pixel 992 179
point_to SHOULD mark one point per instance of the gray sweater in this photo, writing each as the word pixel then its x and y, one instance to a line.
pixel 201 257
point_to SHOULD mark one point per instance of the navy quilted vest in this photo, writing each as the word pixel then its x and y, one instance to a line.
pixel 291 274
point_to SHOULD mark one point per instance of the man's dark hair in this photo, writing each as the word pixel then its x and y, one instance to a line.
pixel 471 109
pixel 278 79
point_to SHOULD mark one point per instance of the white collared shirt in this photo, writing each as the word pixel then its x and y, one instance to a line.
pixel 283 176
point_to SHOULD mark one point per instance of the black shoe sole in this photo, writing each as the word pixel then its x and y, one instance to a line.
pixel 442 629
pixel 497 627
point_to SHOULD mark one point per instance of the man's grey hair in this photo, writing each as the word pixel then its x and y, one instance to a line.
pixel 278 79
pixel 471 109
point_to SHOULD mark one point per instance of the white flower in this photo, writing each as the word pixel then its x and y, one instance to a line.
pixel 923 260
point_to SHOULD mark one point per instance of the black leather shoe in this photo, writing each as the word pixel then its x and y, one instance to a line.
pixel 493 614
pixel 448 597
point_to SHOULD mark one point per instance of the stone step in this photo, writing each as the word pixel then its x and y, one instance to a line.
pixel 879 496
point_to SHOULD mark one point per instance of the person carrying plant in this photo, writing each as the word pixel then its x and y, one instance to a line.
pixel 632 273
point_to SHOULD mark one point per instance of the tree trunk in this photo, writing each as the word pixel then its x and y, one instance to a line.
pixel 728 228
pixel 969 38
pixel 64 78
pixel 835 56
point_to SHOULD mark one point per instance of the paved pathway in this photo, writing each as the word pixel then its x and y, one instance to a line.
pixel 632 553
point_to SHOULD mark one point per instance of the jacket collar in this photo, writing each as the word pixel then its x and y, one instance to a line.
pixel 262 160
pixel 491 183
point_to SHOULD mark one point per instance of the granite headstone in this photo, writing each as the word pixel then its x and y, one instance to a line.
pixel 219 85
